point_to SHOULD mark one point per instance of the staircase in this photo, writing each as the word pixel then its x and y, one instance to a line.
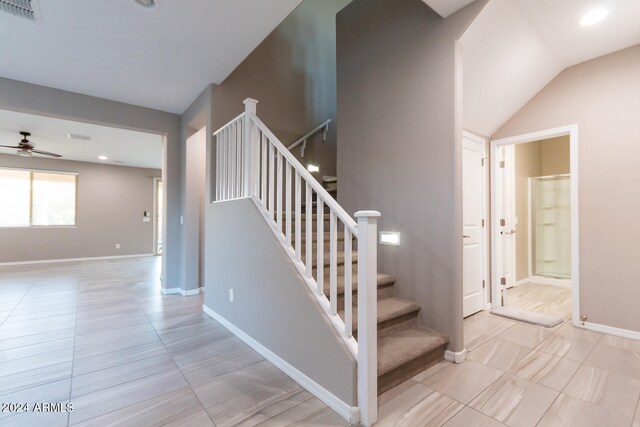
pixel 404 348
pixel 335 255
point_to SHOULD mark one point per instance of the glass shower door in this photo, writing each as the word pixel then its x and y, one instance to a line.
pixel 551 232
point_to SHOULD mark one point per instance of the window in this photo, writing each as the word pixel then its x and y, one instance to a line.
pixel 32 198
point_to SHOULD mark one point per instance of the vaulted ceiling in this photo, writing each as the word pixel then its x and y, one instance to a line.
pixel 516 47
pixel 160 58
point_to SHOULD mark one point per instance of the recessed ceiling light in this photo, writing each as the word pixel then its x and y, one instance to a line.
pixel 148 4
pixel 103 157
pixel 593 16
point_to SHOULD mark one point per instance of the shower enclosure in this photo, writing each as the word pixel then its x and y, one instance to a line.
pixel 551 226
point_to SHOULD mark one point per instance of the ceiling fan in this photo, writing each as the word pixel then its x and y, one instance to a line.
pixel 27 149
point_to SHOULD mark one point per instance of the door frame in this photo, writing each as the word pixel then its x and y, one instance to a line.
pixel 156 223
pixel 486 259
pixel 572 132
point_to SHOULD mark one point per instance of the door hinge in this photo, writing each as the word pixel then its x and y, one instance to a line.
pixel 483 284
pixel 503 222
pixel 503 281
pixel 482 161
pixel 501 164
pixel 483 222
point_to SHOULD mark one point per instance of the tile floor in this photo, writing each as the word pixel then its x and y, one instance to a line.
pixel 100 335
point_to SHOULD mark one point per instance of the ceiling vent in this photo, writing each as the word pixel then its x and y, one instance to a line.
pixel 77 135
pixel 27 9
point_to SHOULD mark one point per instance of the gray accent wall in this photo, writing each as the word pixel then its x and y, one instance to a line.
pixel 34 99
pixel 292 73
pixel 601 97
pixel 400 132
pixel 110 205
pixel 272 303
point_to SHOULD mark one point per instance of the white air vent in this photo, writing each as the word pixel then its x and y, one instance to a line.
pixel 77 135
pixel 27 9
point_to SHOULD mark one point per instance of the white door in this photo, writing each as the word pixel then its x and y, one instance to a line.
pixel 506 220
pixel 473 208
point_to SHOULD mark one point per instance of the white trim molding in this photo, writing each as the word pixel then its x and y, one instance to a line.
pixel 611 330
pixel 456 356
pixel 51 261
pixel 180 291
pixel 348 412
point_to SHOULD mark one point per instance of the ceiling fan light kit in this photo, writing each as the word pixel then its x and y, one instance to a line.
pixel 27 149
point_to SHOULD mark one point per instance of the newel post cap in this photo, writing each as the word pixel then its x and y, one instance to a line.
pixel 367 214
pixel 250 105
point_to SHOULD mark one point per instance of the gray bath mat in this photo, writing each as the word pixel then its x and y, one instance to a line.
pixel 541 319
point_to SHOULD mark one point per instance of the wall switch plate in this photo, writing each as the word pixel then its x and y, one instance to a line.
pixel 181 220
pixel 117 245
pixel 230 295
pixel 146 219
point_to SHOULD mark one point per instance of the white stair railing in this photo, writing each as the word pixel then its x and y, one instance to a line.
pixel 252 162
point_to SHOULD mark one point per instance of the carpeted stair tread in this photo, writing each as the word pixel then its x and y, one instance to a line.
pixel 407 345
pixel 340 259
pixel 388 309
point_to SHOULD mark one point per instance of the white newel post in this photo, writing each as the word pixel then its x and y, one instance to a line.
pixel 367 316
pixel 250 148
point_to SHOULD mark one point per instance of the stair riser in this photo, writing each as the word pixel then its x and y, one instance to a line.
pixel 391 326
pixel 409 370
pixel 383 292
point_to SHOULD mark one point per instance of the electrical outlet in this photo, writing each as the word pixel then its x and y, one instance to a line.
pixel 181 220
pixel 117 245
pixel 230 295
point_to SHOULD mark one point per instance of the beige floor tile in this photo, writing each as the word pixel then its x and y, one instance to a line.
pixel 614 359
pixel 576 348
pixel 432 370
pixel 166 408
pixel 545 369
pixel 473 339
pixel 498 354
pixel 526 335
pixel 463 382
pixel 611 391
pixel 515 401
pixel 261 403
pixel 468 417
pixel 295 415
pixel 396 391
pixel 324 418
pixel 418 406
pixel 488 324
pixel 569 411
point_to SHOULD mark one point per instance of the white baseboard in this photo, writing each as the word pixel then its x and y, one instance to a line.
pixel 618 332
pixel 348 412
pixel 565 283
pixel 180 291
pixel 97 258
pixel 456 356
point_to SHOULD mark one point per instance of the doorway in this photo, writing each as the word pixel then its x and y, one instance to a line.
pixel 535 235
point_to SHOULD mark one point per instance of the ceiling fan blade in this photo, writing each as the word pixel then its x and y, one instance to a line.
pixel 10 146
pixel 45 153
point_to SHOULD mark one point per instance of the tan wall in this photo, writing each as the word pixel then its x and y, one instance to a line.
pixel 538 158
pixel 111 202
pixel 602 97
pixel 400 151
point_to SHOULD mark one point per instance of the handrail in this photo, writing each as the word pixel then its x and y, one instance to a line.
pixel 303 140
pixel 227 124
pixel 304 173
